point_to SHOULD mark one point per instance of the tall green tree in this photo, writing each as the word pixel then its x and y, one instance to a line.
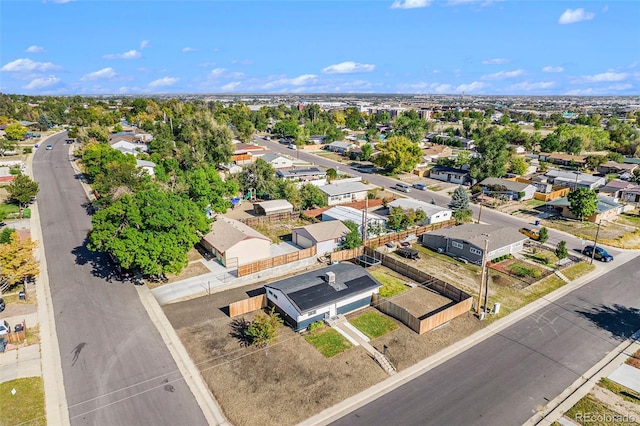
pixel 353 239
pixel 97 156
pixel 398 154
pixel 311 197
pixel 410 125
pixel 258 176
pixel 543 235
pixel 286 129
pixel 15 132
pixel 22 190
pixel 6 145
pixel 366 151
pixel 151 230
pixel 493 158
pixel 583 203
pixel 459 199
pixel 518 165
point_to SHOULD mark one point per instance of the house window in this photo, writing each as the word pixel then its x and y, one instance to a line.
pixel 457 245
pixel 310 313
pixel 475 251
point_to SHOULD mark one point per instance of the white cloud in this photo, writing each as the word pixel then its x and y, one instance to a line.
pixel 217 72
pixel 296 81
pixel 163 82
pixel 348 67
pixel 423 87
pixel 571 16
pixel 188 49
pixel 471 87
pixel 42 82
pixel 144 44
pixel 21 65
pixel 608 76
pixel 552 69
pixel 230 86
pixel 495 61
pixel 34 49
pixel 410 4
pixel 600 91
pixel 527 86
pixel 104 73
pixel 131 54
pixel 503 75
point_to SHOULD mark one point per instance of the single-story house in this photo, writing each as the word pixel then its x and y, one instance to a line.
pixel 129 147
pixel 147 166
pixel 377 224
pixel 613 188
pixel 514 190
pixel 317 139
pixel 451 174
pixel 564 159
pixel 341 147
pixel 631 195
pixel 468 241
pixel 326 236
pixel 277 161
pixel 435 152
pixel 272 207
pixel 607 208
pixel 233 243
pixel 570 179
pixel 344 192
pixel 304 175
pixel 324 293
pixel 435 214
pixel 611 167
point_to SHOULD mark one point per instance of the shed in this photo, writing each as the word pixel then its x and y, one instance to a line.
pixel 233 243
pixel 327 236
pixel 272 207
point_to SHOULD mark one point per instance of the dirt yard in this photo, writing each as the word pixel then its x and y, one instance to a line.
pixel 258 386
pixel 420 301
pixel 623 232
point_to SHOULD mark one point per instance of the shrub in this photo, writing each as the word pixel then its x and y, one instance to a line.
pixel 15 171
pixel 522 271
pixel 27 150
pixel 263 328
pixel 561 250
pixel 5 235
pixel 26 214
pixel 316 325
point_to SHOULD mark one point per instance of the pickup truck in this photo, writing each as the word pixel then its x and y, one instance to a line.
pixel 534 234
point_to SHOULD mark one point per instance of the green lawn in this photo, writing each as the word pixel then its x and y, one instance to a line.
pixel 620 390
pixel 578 270
pixel 373 324
pixel 9 208
pixel 390 285
pixel 544 257
pixel 26 406
pixel 328 342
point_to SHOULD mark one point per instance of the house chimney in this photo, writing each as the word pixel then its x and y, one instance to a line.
pixel 330 277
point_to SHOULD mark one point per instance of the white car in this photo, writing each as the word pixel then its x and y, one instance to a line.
pixel 49 147
pixel 4 328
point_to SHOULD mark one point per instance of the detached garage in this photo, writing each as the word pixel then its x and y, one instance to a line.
pixel 233 243
pixel 327 236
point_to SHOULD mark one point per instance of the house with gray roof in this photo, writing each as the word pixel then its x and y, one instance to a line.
pixel 345 192
pixel 508 189
pixel 607 208
pixel 323 293
pixel 571 179
pixel 435 214
pixel 468 241
pixel 277 161
pixel 341 147
pixel 303 175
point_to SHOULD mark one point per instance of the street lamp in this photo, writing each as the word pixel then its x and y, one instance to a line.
pixel 482 281
pixel 575 185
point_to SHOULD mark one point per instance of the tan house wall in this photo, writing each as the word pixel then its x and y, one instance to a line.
pixel 247 251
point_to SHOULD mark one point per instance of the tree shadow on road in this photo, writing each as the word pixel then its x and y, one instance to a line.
pixel 100 266
pixel 620 321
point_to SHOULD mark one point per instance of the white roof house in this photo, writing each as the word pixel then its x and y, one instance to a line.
pixel 129 147
pixel 272 207
pixel 233 243
pixel 344 192
pixel 147 166
pixel 343 213
pixel 435 214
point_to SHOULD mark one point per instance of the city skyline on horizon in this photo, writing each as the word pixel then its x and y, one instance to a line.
pixel 447 47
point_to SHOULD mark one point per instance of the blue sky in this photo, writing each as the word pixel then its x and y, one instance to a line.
pixel 509 47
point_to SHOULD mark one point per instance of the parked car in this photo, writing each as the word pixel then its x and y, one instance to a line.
pixel 2 305
pixel 409 253
pixel 49 147
pixel 402 187
pixel 292 146
pixel 420 186
pixel 600 254
pixel 534 234
pixel 5 328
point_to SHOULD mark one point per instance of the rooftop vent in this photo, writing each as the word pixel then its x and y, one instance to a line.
pixel 330 277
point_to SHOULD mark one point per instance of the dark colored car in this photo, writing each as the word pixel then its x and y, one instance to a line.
pixel 122 273
pixel 2 305
pixel 600 254
pixel 409 253
pixel 420 186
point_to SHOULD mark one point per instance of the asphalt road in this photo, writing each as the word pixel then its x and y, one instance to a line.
pixel 488 215
pixel 502 380
pixel 116 368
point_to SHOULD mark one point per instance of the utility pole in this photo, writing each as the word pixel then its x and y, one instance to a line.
pixel 482 276
pixel 595 243
pixel 480 212
pixel 365 222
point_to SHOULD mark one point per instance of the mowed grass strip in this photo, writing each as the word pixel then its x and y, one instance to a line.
pixel 590 411
pixel 578 270
pixel 373 325
pixel 26 406
pixel 328 342
pixel 622 391
pixel 390 285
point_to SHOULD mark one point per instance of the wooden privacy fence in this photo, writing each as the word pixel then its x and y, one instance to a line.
pixel 346 254
pixel 461 301
pixel 397 236
pixel 17 336
pixel 247 305
pixel 277 217
pixel 273 262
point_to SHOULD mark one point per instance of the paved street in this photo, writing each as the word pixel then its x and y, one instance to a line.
pixel 116 367
pixel 504 379
pixel 488 215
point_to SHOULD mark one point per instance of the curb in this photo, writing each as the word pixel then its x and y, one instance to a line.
pixel 341 409
pixel 56 409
